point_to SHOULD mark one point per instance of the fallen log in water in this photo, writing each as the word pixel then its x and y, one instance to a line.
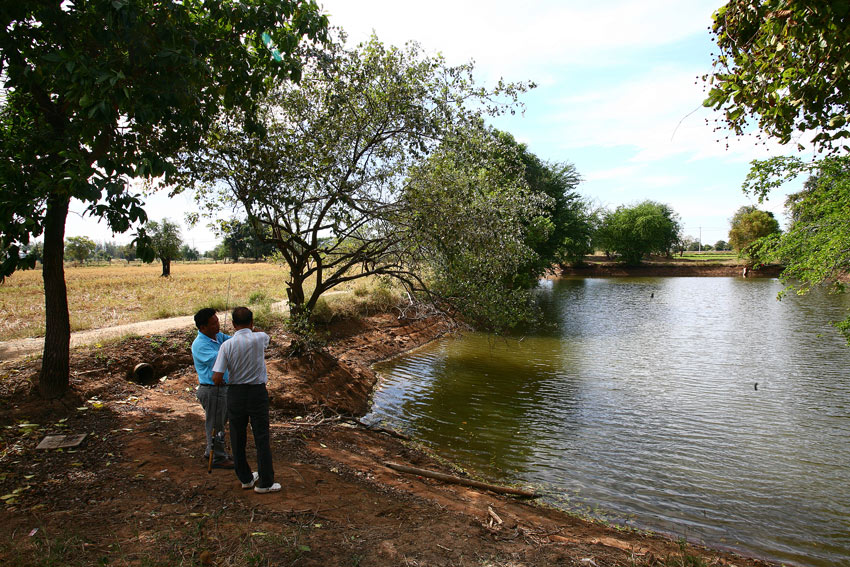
pixel 464 481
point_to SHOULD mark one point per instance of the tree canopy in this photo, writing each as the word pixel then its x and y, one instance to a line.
pixel 97 93
pixel 241 240
pixel 570 218
pixel 748 224
pixel 189 253
pixel 79 248
pixel 634 231
pixel 327 184
pixel 784 64
pixel 165 241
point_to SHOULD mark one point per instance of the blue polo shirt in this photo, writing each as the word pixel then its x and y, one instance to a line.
pixel 204 353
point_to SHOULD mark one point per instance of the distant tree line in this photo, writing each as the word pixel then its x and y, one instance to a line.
pixel 239 241
pixel 628 233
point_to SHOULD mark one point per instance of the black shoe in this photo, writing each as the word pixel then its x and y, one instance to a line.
pixel 228 464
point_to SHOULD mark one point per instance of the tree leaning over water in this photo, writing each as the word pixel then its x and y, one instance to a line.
pixel 471 225
pixel 815 249
pixel 569 219
pixel 783 64
pixel 100 92
pixel 330 183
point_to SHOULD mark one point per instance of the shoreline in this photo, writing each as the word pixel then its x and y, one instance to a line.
pixel 721 551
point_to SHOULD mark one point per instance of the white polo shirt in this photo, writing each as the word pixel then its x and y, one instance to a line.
pixel 243 357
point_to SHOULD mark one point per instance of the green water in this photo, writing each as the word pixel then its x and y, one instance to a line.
pixel 698 407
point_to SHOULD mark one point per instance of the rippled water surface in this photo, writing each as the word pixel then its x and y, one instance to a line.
pixel 641 405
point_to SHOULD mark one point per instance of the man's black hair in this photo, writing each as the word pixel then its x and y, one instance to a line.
pixel 203 316
pixel 242 316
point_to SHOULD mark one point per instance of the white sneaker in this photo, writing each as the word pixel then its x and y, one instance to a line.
pixel 253 481
pixel 273 488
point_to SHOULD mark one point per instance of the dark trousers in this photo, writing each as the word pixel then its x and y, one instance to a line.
pixel 250 403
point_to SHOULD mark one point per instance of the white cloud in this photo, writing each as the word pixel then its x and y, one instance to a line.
pixel 506 38
pixel 660 116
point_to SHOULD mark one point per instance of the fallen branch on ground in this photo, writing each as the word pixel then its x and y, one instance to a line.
pixel 379 429
pixel 463 481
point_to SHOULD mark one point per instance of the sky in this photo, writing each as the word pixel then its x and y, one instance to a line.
pixel 618 95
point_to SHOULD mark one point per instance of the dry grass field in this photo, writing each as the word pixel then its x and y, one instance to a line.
pixel 114 295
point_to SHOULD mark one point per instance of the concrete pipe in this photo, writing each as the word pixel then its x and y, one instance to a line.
pixel 143 373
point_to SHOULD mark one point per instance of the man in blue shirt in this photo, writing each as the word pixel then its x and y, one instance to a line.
pixel 213 398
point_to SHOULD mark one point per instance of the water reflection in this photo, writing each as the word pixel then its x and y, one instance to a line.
pixel 640 397
pixel 480 394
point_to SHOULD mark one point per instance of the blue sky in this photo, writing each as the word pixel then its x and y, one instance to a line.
pixel 618 96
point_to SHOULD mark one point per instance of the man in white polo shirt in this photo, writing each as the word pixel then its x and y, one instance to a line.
pixel 243 357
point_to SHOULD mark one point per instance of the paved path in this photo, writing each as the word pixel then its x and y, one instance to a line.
pixel 11 350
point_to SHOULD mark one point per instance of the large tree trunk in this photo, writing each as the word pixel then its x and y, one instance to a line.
pixel 53 379
pixel 295 296
pixel 166 267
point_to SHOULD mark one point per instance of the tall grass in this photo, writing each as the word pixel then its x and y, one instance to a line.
pixel 115 295
pixel 369 296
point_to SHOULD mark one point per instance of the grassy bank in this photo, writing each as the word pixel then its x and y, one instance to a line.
pixel 105 296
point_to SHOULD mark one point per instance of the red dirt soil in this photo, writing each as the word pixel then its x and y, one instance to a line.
pixel 137 492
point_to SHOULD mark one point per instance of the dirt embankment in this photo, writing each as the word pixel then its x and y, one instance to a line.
pixel 661 269
pixel 137 492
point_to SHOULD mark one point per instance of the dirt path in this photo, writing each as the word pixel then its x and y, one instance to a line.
pixel 13 350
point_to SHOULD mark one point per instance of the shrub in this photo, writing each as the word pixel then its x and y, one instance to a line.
pixel 259 297
pixel 307 338
pixel 365 299
pixel 361 289
pixel 322 312
pixel 217 303
pixel 164 313
pixel 265 317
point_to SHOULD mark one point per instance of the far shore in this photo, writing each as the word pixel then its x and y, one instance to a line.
pixel 668 270
pixel 599 266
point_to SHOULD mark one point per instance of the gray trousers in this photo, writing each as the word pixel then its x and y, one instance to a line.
pixel 214 401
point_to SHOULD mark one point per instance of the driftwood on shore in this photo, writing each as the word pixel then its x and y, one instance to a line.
pixel 378 429
pixel 463 481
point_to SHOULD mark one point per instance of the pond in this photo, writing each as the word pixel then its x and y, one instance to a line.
pixel 698 407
